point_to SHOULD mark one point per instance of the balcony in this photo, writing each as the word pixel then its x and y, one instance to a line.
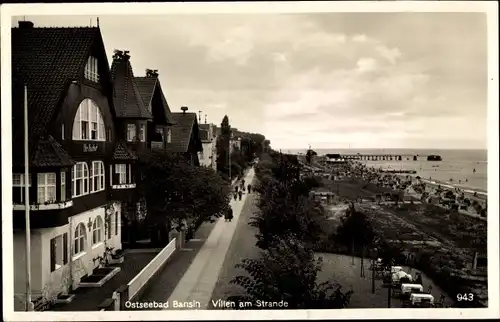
pixel 43 215
pixel 156 145
pixel 124 192
pixel 55 205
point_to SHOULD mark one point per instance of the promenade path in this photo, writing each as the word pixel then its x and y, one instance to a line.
pixel 200 278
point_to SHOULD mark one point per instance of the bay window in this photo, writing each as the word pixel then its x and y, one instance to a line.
pixel 63 186
pixel 131 132
pixel 142 133
pixel 46 187
pixel 18 187
pixel 121 172
pixel 169 135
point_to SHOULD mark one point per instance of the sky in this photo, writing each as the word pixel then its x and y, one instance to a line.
pixel 329 80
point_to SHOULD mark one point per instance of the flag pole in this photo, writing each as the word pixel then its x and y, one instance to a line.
pixel 27 203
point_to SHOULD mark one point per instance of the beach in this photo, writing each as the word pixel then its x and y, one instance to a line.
pixel 456 170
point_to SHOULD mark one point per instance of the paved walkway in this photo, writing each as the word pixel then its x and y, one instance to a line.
pixel 242 246
pixel 199 280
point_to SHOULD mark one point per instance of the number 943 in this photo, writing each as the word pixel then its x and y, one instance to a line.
pixel 465 297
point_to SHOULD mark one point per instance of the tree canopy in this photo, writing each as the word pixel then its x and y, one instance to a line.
pixel 355 229
pixel 288 272
pixel 174 190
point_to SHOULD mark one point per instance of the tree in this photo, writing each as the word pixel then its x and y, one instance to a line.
pixel 222 146
pixel 175 191
pixel 355 230
pixel 288 272
pixel 285 209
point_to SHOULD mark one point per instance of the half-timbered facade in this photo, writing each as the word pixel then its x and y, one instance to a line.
pixel 72 141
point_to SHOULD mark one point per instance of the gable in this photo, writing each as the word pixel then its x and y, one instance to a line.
pixel 46 60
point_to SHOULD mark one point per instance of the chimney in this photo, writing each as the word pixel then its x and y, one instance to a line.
pixel 25 24
pixel 184 109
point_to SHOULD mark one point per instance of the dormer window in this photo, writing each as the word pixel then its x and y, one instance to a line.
pixel 89 124
pixel 91 70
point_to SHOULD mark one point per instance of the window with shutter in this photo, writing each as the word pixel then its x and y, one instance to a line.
pixel 65 248
pixel 116 223
pixel 53 254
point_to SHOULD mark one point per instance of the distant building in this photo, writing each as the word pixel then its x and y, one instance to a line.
pixel 208 139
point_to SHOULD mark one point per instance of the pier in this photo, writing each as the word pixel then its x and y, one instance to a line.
pixel 380 157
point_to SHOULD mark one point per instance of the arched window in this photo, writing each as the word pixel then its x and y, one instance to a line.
pixel 80 179
pixel 79 239
pixel 89 124
pixel 97 230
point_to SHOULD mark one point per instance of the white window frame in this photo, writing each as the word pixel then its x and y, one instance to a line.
pixel 80 240
pixel 63 186
pixel 169 135
pixel 92 69
pixel 62 132
pixel 97 230
pixel 97 175
pixel 121 170
pixel 142 132
pixel 18 182
pixel 84 177
pixel 46 182
pixel 131 132
pixel 89 117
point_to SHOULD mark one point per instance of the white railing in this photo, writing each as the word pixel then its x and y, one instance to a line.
pixel 138 282
pixel 48 206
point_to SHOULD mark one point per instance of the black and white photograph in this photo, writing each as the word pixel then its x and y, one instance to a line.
pixel 284 159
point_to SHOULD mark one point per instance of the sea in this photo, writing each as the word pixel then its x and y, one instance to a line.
pixel 456 168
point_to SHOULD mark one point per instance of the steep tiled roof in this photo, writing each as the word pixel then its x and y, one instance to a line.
pixel 147 86
pixel 122 152
pixel 46 60
pixel 50 153
pixel 182 131
pixel 128 101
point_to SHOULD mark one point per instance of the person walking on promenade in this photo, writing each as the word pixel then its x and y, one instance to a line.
pixel 243 182
pixel 235 195
pixel 249 188
pixel 230 214
pixel 242 187
pixel 226 216
pixel 240 194
pixel 236 189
